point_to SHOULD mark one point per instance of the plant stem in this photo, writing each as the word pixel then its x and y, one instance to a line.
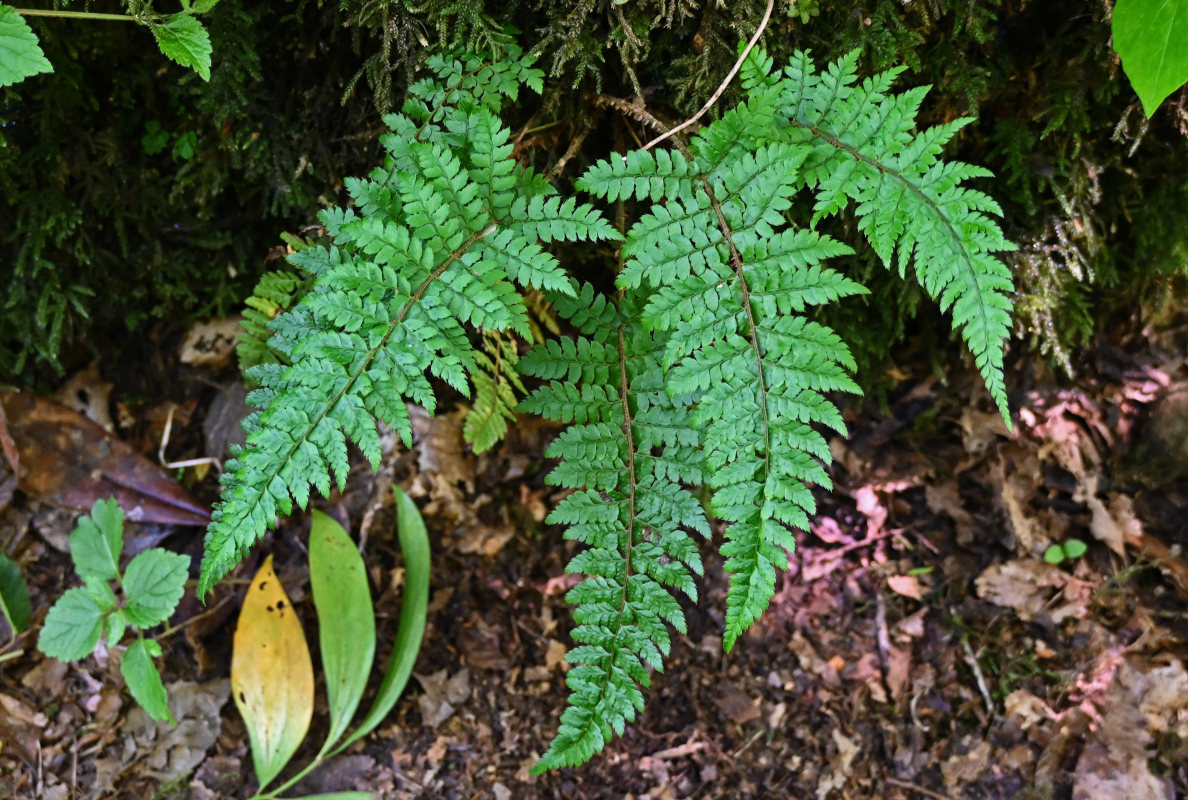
pixel 45 12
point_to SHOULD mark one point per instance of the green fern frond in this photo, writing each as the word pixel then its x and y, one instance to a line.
pixel 862 147
pixel 628 450
pixel 728 281
pixel 438 251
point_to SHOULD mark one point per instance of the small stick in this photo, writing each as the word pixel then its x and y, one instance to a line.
pixel 722 87
pixel 918 789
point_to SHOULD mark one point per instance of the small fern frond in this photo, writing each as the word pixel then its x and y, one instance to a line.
pixel 497 389
pixel 275 293
pixel 625 453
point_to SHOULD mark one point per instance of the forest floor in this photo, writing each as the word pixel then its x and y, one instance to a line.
pixel 919 647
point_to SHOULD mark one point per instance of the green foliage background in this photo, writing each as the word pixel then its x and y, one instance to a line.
pixel 103 237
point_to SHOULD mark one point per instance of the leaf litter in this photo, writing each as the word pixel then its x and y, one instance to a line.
pixel 919 646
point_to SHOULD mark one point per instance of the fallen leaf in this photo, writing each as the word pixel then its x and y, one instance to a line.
pixel 89 395
pixel 211 343
pixel 167 752
pixel 906 585
pixel 271 674
pixel 1024 584
pixel 68 460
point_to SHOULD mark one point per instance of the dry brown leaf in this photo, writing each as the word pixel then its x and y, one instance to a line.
pixel 1024 584
pixel 945 498
pixel 88 394
pixel 906 585
pixel 967 767
pixel 1114 763
pixel 210 344
pixel 840 764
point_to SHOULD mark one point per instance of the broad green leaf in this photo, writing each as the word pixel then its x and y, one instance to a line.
pixel 144 682
pixel 96 541
pixel 1151 37
pixel 271 674
pixel 20 53
pixel 184 40
pixel 414 543
pixel 1075 548
pixel 14 595
pixel 72 626
pixel 1054 554
pixel 346 620
pixel 154 583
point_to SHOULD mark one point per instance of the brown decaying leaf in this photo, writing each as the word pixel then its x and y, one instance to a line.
pixel 70 461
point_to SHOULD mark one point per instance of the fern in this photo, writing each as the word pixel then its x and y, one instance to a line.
pixel 705 368
pixel 449 228
pixel 725 283
pixel 629 451
pixel 275 293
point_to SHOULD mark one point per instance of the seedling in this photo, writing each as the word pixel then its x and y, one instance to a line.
pixel 148 592
pixel 271 670
pixel 1069 551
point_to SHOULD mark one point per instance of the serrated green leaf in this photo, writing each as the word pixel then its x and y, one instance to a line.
pixel 1151 37
pixel 346 621
pixel 144 682
pixel 414 545
pixel 96 541
pixel 154 583
pixel 101 592
pixel 20 52
pixel 184 40
pixel 14 595
pixel 72 626
pixel 115 625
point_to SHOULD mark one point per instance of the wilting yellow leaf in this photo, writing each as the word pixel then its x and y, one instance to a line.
pixel 271 674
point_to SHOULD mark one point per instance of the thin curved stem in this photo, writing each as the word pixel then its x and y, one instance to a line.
pixel 46 12
pixel 721 87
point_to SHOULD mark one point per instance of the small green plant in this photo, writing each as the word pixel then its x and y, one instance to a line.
pixel 149 590
pixel 1070 550
pixel 180 36
pixel 271 672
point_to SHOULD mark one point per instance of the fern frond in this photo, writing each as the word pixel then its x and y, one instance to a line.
pixel 626 453
pixel 275 293
pixel 437 252
pixel 911 206
pixel 497 389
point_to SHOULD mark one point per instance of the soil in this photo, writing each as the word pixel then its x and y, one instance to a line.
pixel 920 646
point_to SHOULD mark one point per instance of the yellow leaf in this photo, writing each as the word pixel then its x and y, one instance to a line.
pixel 271 674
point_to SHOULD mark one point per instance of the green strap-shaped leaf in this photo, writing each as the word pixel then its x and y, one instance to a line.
pixel 414 544
pixel 1151 37
pixel 184 40
pixel 14 595
pixel 20 53
pixel 144 682
pixel 346 621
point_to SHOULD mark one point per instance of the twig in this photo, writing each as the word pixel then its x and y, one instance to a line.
pixel 189 462
pixel 722 87
pixel 917 789
pixel 977 671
